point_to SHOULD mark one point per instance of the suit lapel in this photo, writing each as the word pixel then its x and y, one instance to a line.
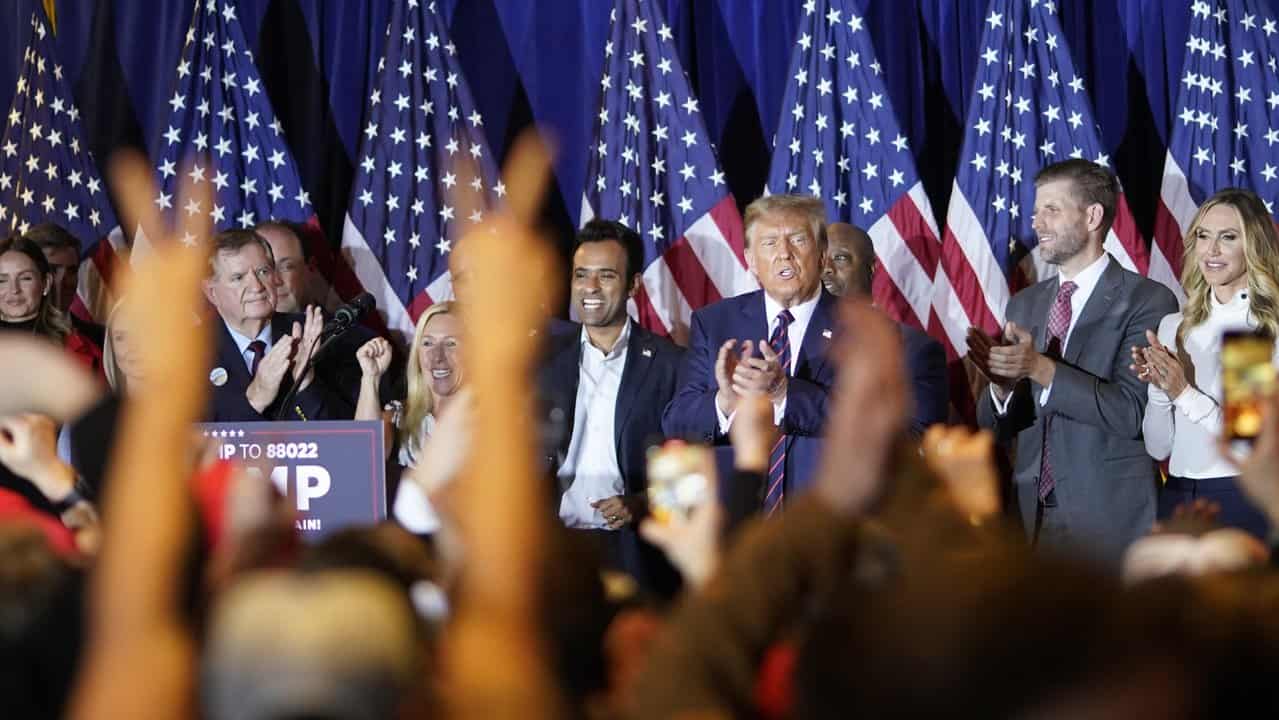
pixel 639 358
pixel 1098 305
pixel 815 348
pixel 229 358
pixel 1040 304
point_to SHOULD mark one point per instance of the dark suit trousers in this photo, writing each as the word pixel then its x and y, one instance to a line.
pixel 1236 510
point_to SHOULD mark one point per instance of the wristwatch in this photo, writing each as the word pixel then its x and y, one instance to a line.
pixel 80 492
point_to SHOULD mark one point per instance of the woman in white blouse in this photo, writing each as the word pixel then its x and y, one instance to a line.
pixel 434 380
pixel 1231 276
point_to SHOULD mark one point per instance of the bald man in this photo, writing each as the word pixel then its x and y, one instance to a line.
pixel 849 269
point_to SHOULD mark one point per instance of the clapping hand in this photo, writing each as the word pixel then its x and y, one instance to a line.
pixel 306 340
pixel 1159 366
pixel 271 371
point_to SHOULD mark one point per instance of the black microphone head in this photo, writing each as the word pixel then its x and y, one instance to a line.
pixel 354 310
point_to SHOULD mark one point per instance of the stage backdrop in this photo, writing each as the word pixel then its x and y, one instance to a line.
pixel 539 62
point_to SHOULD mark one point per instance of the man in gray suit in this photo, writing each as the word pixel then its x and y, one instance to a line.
pixel 1059 378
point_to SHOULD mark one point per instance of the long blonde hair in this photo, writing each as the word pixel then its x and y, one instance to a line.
pixel 1261 257
pixel 110 368
pixel 420 401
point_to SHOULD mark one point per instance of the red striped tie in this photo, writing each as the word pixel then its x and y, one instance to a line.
pixel 780 343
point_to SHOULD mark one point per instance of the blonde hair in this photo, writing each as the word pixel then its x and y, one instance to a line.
pixel 419 402
pixel 1261 257
pixel 812 209
pixel 115 376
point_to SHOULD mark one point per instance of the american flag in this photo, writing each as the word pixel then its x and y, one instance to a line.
pixel 221 120
pixel 1228 110
pixel 653 169
pixel 46 172
pixel 1028 109
pixel 838 139
pixel 423 157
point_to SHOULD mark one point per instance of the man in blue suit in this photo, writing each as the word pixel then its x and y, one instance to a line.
pixel 849 269
pixel 606 385
pixel 262 354
pixel 772 342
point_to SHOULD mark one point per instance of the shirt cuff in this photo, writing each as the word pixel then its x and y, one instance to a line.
pixel 1001 406
pixel 1156 396
pixel 1194 404
pixel 725 421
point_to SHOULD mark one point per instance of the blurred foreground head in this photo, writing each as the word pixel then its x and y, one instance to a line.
pixel 334 644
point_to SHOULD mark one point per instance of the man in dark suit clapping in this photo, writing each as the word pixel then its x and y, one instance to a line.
pixel 261 354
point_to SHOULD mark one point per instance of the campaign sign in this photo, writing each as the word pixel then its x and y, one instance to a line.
pixel 332 470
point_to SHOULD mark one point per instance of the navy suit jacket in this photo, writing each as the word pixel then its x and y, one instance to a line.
pixel 322 400
pixel 926 362
pixel 648 382
pixel 691 413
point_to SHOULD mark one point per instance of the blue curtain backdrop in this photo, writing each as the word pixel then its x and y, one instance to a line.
pixel 539 61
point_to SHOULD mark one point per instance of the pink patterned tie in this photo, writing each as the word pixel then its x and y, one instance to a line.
pixel 1058 324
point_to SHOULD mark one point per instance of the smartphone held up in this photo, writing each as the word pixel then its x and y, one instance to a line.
pixel 679 477
pixel 1247 381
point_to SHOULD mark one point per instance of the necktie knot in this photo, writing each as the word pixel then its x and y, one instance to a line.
pixel 784 319
pixel 258 348
pixel 1067 289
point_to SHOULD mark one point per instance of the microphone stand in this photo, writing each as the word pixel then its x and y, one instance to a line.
pixel 338 330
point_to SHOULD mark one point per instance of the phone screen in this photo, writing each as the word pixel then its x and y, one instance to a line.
pixel 1247 379
pixel 679 476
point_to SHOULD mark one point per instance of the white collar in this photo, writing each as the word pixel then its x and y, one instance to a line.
pixel 242 341
pixel 1085 280
pixel 801 313
pixel 623 339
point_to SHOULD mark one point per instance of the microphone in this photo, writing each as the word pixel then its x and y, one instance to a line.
pixel 344 317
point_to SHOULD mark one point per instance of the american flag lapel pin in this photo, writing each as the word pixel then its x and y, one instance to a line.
pixel 827 334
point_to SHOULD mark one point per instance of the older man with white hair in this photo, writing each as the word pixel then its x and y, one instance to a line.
pixel 772 342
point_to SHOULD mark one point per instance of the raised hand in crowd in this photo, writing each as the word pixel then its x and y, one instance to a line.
pixel 870 410
pixel 1259 470
pixel 28 447
pixel 495 663
pixel 37 376
pixel 964 461
pixel 136 618
pixel 1159 366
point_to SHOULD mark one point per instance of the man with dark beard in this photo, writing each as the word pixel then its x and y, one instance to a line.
pixel 1059 381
